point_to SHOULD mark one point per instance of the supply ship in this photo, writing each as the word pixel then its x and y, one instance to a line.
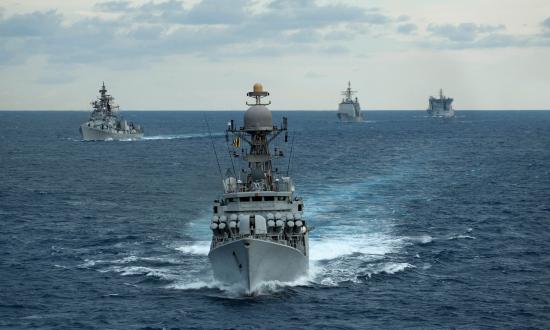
pixel 441 107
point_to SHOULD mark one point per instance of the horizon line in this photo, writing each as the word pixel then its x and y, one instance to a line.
pixel 273 110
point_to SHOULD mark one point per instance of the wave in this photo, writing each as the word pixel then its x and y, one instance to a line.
pixel 422 239
pixel 200 248
pixel 461 237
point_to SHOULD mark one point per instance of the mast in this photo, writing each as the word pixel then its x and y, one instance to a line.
pixel 348 93
pixel 258 132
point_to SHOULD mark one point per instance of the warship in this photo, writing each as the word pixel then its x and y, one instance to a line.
pixel 349 109
pixel 259 233
pixel 106 124
pixel 441 107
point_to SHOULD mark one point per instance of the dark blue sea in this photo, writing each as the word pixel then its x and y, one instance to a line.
pixel 419 223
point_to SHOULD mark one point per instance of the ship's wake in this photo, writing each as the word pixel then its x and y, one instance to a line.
pixel 188 136
pixel 353 242
pixel 182 136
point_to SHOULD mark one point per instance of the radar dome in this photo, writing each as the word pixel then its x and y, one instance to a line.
pixel 258 118
pixel 258 88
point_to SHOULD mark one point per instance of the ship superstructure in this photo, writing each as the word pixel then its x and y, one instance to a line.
pixel 349 109
pixel 259 233
pixel 441 107
pixel 105 123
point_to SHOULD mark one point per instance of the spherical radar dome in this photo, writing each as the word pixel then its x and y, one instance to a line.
pixel 258 88
pixel 258 118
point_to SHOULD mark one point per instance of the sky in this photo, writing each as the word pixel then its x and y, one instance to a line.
pixel 206 54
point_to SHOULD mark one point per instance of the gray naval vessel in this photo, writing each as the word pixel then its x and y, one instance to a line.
pixel 441 107
pixel 106 124
pixel 349 109
pixel 259 233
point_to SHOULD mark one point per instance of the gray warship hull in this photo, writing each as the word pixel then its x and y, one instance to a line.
pixel 348 117
pixel 349 109
pixel 441 113
pixel 259 233
pixel 248 262
pixel 97 134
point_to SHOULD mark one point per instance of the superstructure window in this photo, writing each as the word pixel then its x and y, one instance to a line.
pixel 257 198
pixel 244 199
pixel 269 198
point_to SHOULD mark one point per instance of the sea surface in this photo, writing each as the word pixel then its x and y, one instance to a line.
pixel 419 223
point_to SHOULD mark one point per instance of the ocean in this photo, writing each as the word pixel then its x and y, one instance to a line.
pixel 419 223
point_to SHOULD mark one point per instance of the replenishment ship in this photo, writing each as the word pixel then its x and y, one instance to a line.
pixel 259 233
pixel 441 107
pixel 106 124
pixel 349 109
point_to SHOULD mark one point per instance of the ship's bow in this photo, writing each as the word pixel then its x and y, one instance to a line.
pixel 247 263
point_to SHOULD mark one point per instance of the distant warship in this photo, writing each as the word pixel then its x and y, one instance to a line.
pixel 441 107
pixel 349 109
pixel 105 124
pixel 258 230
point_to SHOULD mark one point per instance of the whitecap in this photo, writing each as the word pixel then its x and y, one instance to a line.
pixel 195 248
pixel 422 239
pixel 461 237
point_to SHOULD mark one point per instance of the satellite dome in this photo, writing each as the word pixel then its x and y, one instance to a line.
pixel 258 118
pixel 258 88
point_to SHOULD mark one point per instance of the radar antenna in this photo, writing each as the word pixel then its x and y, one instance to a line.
pixel 258 93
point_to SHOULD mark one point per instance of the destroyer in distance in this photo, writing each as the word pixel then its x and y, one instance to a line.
pixel 349 109
pixel 258 230
pixel 105 124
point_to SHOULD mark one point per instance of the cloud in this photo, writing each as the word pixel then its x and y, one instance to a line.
pixel 218 12
pixel 403 18
pixel 210 28
pixel 407 28
pixel 31 25
pixel 377 19
pixel 126 32
pixel 462 32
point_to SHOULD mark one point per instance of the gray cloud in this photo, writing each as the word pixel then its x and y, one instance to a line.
pixel 403 18
pixel 470 35
pixel 214 29
pixel 31 25
pixel 464 32
pixel 209 28
pixel 407 28
pixel 546 23
pixel 377 19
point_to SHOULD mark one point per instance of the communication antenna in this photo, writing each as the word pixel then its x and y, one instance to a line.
pixel 290 156
pixel 214 148
pixel 229 154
